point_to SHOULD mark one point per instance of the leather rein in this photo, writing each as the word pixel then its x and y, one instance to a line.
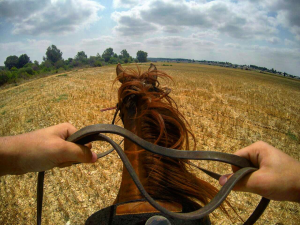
pixel 96 133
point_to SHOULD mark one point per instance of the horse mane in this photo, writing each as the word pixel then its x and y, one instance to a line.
pixel 159 121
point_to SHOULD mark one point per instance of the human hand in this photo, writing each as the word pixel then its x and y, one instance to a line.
pixel 278 176
pixel 42 150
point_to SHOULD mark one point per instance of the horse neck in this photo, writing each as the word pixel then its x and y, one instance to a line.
pixel 136 155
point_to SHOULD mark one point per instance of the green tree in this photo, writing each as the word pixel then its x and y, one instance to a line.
pixel 68 61
pixel 141 56
pixel 125 54
pixel 53 54
pixel 23 60
pixel 107 54
pixel 81 55
pixel 11 61
pixel 36 62
pixel 98 56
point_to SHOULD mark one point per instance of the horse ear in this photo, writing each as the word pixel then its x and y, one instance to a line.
pixel 120 72
pixel 152 69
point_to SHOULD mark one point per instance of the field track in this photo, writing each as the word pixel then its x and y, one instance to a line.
pixel 228 109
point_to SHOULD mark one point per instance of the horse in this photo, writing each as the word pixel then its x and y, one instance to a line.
pixel 147 110
pixel 157 170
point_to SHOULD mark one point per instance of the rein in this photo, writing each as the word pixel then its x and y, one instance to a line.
pixel 95 133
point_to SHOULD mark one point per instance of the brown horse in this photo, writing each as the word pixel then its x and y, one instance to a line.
pixel 148 111
pixel 150 115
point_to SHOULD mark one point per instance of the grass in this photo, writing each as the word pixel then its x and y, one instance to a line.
pixel 62 75
pixel 29 120
pixel 24 89
pixel 60 98
pixel 228 109
pixel 292 136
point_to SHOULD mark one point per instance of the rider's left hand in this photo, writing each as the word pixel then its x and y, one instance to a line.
pixel 42 150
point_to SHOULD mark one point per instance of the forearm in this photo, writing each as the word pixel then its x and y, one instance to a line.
pixel 9 155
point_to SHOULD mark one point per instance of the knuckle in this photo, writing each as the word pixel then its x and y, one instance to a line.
pixel 261 143
pixel 67 124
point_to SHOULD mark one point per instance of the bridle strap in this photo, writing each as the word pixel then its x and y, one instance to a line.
pixel 94 132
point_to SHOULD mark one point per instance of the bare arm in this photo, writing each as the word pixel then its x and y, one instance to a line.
pixel 42 150
pixel 278 176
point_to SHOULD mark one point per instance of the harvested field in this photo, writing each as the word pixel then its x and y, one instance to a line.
pixel 228 109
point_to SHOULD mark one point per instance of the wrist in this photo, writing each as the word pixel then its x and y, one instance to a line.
pixel 295 188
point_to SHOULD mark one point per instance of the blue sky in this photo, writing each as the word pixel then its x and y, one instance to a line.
pixel 261 32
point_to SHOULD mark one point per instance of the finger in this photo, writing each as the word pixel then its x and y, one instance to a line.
pixel 223 179
pixel 89 145
pixel 240 185
pixel 251 153
pixel 64 130
pixel 78 153
pixel 235 168
pixel 70 129
pixel 246 184
pixel 66 164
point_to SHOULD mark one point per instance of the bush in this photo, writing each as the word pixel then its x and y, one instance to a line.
pixel 59 64
pixel 27 70
pixel 97 64
pixel 47 64
pixel 61 70
pixel 76 63
pixel 4 77
pixel 46 69
pixel 113 60
pixel 35 67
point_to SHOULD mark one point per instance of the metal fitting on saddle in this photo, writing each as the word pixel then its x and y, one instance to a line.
pixel 158 220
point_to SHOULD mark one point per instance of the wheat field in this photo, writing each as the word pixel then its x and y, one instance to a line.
pixel 228 109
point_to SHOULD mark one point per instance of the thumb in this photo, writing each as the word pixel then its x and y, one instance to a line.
pixel 223 179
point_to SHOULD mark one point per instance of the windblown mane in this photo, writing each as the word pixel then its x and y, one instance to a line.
pixel 159 121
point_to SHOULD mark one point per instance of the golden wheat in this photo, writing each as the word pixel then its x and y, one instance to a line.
pixel 228 109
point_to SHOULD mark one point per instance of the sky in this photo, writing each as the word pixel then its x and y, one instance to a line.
pixel 258 32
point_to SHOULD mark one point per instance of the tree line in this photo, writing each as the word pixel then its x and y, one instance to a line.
pixel 23 68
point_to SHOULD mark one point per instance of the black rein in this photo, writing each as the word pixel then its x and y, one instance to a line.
pixel 95 133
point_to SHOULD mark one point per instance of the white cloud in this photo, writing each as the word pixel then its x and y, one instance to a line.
pixel 125 3
pixel 241 21
pixel 286 11
pixel 290 43
pixel 233 45
pixel 35 49
pixel 178 42
pixel 273 40
pixel 172 29
pixel 211 34
pixel 131 24
pixel 35 17
pixel 97 41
